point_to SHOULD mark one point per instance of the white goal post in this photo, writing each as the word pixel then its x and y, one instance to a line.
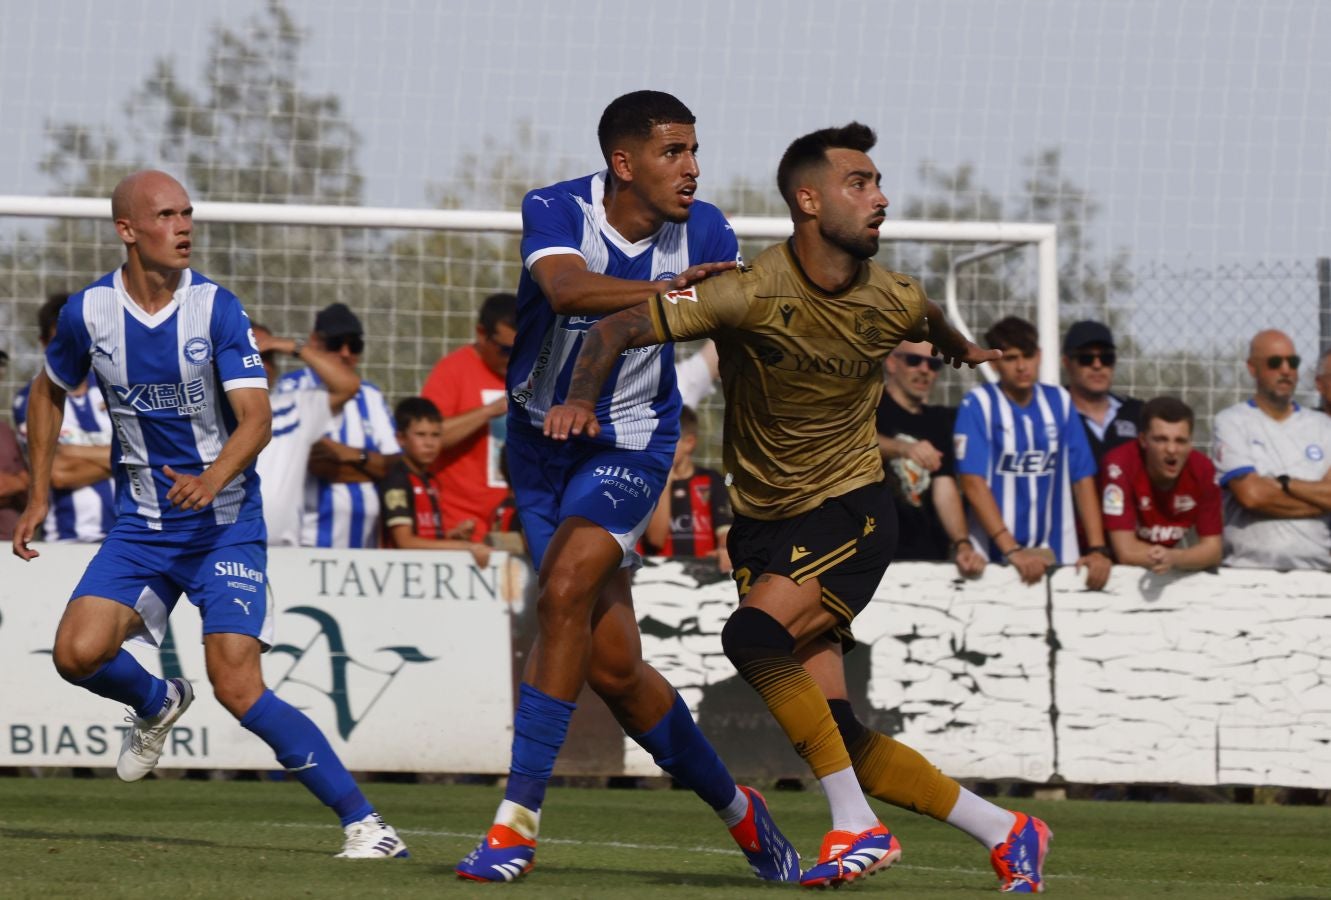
pixel 997 236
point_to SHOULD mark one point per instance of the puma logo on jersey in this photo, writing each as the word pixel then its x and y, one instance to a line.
pixel 542 199
pixel 243 604
pixel 797 553
pixel 607 495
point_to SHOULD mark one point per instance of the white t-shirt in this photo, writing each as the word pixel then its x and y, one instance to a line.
pixel 300 418
pixel 1248 440
pixel 694 377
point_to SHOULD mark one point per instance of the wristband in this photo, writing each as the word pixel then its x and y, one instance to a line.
pixel 1284 483
pixel 361 462
pixel 1016 549
pixel 1102 550
pixel 297 347
pixel 958 542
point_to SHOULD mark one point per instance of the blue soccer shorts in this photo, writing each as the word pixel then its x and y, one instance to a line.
pixel 221 569
pixel 554 480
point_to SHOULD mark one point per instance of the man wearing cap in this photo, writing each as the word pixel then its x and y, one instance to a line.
pixel 341 503
pixel 1274 460
pixel 1089 358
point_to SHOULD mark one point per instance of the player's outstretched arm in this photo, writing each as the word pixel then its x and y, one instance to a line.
pixel 951 344
pixel 600 348
pixel 254 427
pixel 46 414
pixel 573 289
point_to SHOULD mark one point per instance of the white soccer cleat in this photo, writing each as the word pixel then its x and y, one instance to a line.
pixel 142 747
pixel 372 838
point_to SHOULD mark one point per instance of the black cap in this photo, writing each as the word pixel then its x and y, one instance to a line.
pixel 1086 332
pixel 337 320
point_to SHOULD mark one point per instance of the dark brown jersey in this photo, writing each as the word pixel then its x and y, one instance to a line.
pixel 802 374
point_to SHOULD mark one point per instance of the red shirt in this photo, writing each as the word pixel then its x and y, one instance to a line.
pixel 407 498
pixel 470 485
pixel 1131 503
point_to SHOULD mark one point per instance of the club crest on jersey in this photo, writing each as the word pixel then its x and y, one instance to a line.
pixel 673 297
pixel 667 276
pixel 869 323
pixel 1314 453
pixel 199 351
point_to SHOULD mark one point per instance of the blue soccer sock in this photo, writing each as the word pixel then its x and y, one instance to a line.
pixel 679 747
pixel 539 729
pixel 303 751
pixel 123 679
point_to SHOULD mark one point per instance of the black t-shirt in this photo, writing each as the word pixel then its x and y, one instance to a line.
pixel 922 534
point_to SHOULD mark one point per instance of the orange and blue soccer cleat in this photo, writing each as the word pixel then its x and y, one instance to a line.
pixel 502 855
pixel 1019 861
pixel 770 855
pixel 847 856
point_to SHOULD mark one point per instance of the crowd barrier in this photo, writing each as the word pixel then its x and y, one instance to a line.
pixel 408 662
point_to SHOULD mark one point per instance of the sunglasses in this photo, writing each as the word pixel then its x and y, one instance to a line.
pixel 1274 362
pixel 911 360
pixel 504 349
pixel 1108 357
pixel 353 342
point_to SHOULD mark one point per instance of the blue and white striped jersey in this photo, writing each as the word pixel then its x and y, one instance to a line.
pixel 343 514
pixel 164 377
pixel 83 514
pixel 1030 456
pixel 639 406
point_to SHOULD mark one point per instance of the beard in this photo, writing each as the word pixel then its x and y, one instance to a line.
pixel 852 240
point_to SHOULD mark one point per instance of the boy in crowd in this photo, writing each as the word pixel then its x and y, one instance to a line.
pixel 694 516
pixel 410 493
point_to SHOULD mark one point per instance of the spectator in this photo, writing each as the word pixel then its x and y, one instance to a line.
pixel 1157 489
pixel 1273 456
pixel 1024 463
pixel 301 415
pixel 412 501
pixel 1323 382
pixel 341 506
pixel 1089 358
pixel 915 439
pixel 694 516
pixel 13 473
pixel 467 387
pixel 83 503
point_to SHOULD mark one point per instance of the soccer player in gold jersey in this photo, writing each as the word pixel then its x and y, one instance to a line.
pixel 802 335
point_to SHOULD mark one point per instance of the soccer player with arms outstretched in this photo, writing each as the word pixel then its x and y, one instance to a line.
pixel 802 336
pixel 181 375
pixel 593 246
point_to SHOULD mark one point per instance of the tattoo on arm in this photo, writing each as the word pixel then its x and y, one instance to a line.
pixel 607 339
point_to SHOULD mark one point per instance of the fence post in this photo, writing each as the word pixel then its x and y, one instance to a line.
pixel 1323 305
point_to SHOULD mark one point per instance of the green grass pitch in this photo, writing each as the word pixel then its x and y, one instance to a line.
pixel 169 838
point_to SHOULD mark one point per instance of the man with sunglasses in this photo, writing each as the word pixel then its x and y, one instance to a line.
pixel 1274 459
pixel 915 439
pixel 1089 358
pixel 341 506
pixel 467 387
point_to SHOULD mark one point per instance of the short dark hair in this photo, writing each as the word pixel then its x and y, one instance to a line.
pixel 412 410
pixel 48 314
pixel 635 115
pixel 688 421
pixel 811 149
pixel 1013 333
pixel 499 309
pixel 1166 409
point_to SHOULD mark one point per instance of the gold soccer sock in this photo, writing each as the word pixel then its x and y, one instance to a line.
pixel 898 774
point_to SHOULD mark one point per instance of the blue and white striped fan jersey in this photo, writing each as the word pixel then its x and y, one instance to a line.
pixel 83 514
pixel 1030 456
pixel 337 514
pixel 639 406
pixel 163 377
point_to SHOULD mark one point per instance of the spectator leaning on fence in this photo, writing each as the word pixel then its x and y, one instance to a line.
pixel 301 415
pixel 467 387
pixel 1024 464
pixel 1274 457
pixel 915 439
pixel 83 505
pixel 1089 358
pixel 1157 489
pixel 341 506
